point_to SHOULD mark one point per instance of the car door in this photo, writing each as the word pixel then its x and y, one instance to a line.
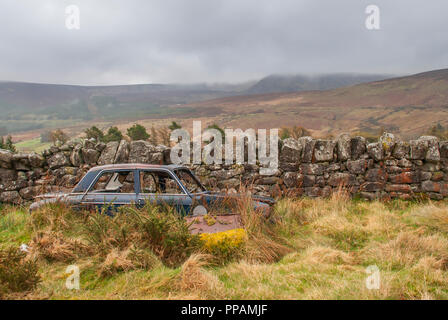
pixel 111 189
pixel 161 187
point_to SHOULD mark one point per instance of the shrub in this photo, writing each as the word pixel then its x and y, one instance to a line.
pixel 166 233
pixel 16 273
pixel 159 229
pixel 125 260
pixel 226 245
pixel 54 246
pixel 58 137
pixel 174 125
pixel 8 144
pixel 95 133
pixel 113 134
pixel 137 132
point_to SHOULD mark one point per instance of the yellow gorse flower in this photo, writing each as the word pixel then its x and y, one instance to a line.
pixel 234 238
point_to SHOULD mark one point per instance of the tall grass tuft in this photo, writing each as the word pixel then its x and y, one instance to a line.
pixel 17 274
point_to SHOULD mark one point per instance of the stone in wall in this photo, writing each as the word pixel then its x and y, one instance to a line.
pixel 122 153
pixel 76 156
pixel 324 150
pixel 389 168
pixel 357 166
pixel 401 150
pixel 58 160
pixel 36 160
pixel 418 149
pixel 108 154
pixel 443 147
pixel 140 151
pixel 89 156
pixel 307 144
pixel 21 161
pixel 291 151
pixel 387 142
pixel 6 159
pixel 358 147
pixel 432 152
pixel 344 147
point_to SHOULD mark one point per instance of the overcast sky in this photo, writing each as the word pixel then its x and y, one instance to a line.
pixel 188 41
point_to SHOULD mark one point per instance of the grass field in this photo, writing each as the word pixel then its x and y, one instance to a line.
pixel 32 145
pixel 310 249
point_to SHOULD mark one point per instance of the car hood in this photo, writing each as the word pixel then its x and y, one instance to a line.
pixel 48 198
pixel 52 195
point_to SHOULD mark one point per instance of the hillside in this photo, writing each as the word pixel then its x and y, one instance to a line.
pixel 294 83
pixel 405 105
pixel 29 106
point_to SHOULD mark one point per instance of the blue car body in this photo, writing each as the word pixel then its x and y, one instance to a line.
pixel 86 195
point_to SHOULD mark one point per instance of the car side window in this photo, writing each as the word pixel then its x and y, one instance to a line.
pixel 158 182
pixel 114 182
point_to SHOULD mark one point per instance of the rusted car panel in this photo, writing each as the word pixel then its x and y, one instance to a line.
pixel 110 186
pixel 199 224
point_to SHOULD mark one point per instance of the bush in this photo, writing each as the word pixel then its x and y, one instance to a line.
pixel 226 245
pixel 174 125
pixel 159 229
pixel 138 132
pixel 113 134
pixel 58 137
pixel 8 144
pixel 95 133
pixel 16 273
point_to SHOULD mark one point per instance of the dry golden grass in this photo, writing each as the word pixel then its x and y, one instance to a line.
pixel 310 249
pixel 54 246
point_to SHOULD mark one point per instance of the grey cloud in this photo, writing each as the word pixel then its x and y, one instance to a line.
pixel 139 41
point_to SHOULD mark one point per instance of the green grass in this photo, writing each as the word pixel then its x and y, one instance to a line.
pixel 330 244
pixel 32 145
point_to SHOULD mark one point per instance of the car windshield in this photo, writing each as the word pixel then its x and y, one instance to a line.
pixel 189 181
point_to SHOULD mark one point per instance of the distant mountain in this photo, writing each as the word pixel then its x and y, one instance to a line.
pixel 296 83
pixel 405 105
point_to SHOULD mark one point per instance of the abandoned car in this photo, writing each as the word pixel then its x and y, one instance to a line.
pixel 136 184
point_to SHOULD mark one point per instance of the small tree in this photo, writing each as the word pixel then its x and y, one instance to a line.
pixel 8 145
pixel 94 132
pixel 174 125
pixel 138 132
pixel 58 136
pixel 113 134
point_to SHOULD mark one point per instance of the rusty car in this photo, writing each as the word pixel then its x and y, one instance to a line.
pixel 111 186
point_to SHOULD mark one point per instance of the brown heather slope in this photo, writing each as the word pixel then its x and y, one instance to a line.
pixel 406 105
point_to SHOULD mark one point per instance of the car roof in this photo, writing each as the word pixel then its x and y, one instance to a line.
pixel 136 166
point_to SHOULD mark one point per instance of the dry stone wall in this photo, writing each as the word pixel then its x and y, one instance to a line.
pixel 389 168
